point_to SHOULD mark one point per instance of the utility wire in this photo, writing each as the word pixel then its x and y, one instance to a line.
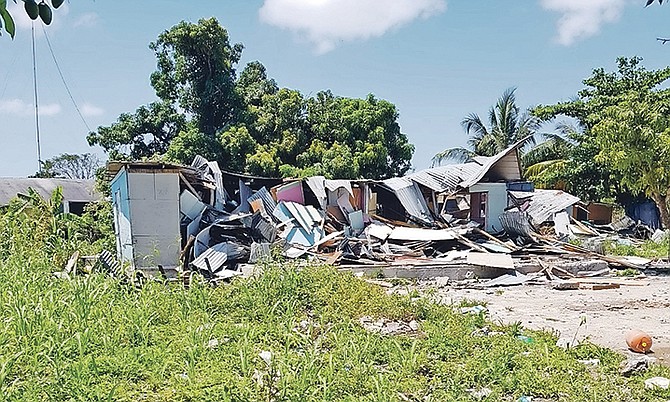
pixel 67 88
pixel 9 71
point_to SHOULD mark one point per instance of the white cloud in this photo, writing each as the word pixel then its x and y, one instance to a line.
pixel 581 19
pixel 327 22
pixel 17 107
pixel 90 110
pixel 86 20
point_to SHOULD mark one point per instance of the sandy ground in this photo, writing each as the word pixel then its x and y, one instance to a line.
pixel 609 313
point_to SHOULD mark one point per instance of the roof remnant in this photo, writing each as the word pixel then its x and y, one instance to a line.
pixel 73 190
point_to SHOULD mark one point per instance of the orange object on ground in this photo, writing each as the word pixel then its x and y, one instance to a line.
pixel 638 341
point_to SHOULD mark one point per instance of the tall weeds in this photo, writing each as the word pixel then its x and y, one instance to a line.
pixel 291 334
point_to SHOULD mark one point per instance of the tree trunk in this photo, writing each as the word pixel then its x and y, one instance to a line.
pixel 662 204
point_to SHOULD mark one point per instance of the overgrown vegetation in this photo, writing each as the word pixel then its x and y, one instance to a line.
pixel 292 333
pixel 646 249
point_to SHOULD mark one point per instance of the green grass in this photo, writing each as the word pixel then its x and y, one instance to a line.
pixel 94 339
pixel 646 249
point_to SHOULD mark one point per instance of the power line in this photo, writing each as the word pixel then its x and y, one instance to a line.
pixel 67 88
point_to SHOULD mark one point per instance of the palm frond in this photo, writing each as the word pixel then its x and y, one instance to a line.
pixel 540 169
pixel 452 155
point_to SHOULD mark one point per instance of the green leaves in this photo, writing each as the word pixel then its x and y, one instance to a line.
pixel 6 19
pixel 45 12
pixel 32 9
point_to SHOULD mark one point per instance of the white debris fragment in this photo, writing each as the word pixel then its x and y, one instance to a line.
pixel 266 356
pixel 657 382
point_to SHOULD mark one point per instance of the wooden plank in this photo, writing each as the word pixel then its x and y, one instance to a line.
pixel 495 239
pixel 621 282
pixel 599 286
pixel 189 187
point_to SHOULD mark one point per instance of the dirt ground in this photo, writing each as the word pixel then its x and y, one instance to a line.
pixel 609 313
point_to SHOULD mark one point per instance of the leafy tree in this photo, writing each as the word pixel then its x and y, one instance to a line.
pixel 196 71
pixel 507 126
pixel 34 10
pixel 70 166
pixel 622 148
pixel 247 123
pixel 145 133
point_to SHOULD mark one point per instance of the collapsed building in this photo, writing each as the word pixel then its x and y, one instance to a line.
pixel 173 218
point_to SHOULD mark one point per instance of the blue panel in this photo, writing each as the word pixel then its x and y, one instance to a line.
pixel 521 186
pixel 120 184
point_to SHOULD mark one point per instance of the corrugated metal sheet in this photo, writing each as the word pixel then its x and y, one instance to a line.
pixel 410 197
pixel 512 172
pixel 268 202
pixel 73 190
pixel 217 256
pixel 446 178
pixel 545 203
pixel 516 223
pixel 451 178
pixel 318 186
pixel 333 185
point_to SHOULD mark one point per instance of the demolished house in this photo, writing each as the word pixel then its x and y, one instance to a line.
pixel 172 218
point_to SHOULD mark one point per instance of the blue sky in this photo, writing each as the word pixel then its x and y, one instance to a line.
pixel 436 60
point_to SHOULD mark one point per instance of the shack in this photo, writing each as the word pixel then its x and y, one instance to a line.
pixel 76 193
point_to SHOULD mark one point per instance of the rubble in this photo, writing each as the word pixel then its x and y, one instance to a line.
pixel 473 220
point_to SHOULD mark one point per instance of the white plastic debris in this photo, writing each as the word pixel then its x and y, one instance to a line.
pixel 473 309
pixel 266 356
pixel 657 382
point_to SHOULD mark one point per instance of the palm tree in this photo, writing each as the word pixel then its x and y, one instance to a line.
pixel 507 126
pixel 545 162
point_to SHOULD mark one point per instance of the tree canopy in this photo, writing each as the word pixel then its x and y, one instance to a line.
pixel 70 166
pixel 247 122
pixel 624 143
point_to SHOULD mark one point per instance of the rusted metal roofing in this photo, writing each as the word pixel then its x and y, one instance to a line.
pixel 73 190
pixel 545 203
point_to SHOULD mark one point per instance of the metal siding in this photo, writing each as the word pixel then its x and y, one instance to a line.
pixel 121 207
pixel 411 198
pixel 154 208
pixel 141 186
pixel 545 203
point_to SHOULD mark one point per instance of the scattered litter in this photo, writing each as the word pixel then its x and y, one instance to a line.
pixel 525 339
pixel 473 309
pixel 636 364
pixel 657 382
pixel 388 327
pixel 590 362
pixel 638 341
pixel 266 356
pixel 481 393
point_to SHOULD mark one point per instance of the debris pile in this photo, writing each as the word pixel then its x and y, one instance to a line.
pixel 472 220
